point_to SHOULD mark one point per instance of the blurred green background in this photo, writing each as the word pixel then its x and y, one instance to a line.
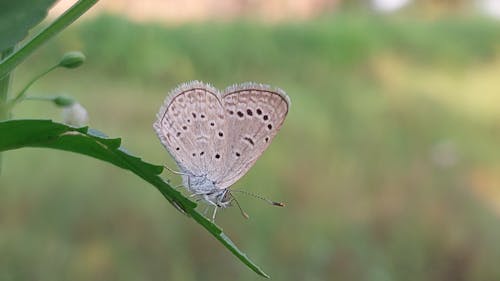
pixel 389 160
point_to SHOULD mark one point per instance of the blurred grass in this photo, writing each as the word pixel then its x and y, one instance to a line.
pixel 389 160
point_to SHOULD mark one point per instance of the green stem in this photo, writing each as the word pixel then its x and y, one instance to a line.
pixel 4 88
pixel 39 98
pixel 5 82
pixel 20 96
pixel 55 27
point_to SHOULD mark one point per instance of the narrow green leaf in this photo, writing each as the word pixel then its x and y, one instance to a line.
pixel 16 134
pixel 18 17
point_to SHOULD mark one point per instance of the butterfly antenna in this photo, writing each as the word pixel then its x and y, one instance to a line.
pixel 243 213
pixel 279 204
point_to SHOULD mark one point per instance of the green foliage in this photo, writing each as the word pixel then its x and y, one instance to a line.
pixel 335 45
pixel 9 63
pixel 44 133
pixel 18 17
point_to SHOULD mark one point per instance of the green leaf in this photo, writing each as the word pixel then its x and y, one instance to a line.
pixel 16 134
pixel 18 17
pixel 68 17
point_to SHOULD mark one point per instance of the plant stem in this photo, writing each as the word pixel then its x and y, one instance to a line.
pixel 4 94
pixel 4 88
pixel 22 93
pixel 39 98
pixel 55 27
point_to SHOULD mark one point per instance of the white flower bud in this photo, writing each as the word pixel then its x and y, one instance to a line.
pixel 75 115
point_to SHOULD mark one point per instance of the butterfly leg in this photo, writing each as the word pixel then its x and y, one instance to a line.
pixel 206 210
pixel 178 186
pixel 215 212
pixel 174 172
pixel 181 185
pixel 196 194
pixel 177 173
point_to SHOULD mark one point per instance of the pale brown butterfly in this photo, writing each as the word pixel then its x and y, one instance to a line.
pixel 216 137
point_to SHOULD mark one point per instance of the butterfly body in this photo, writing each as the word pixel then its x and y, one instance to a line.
pixel 206 189
pixel 216 137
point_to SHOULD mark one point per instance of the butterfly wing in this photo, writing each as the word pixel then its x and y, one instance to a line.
pixel 254 114
pixel 188 125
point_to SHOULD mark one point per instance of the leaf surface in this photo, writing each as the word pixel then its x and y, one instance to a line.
pixel 15 134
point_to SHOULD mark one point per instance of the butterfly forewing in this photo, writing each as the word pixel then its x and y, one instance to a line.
pixel 254 114
pixel 189 124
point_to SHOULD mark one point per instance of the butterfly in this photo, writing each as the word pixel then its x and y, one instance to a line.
pixel 216 137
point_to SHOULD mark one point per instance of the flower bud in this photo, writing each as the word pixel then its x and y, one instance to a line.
pixel 63 101
pixel 75 115
pixel 72 60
